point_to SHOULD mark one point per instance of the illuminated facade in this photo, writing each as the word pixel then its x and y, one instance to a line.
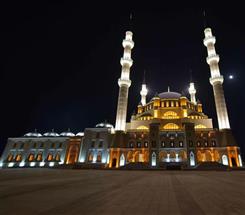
pixel 168 130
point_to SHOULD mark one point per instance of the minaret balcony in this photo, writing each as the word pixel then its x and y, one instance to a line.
pixel 124 82
pixel 126 61
pixel 211 58
pixel 208 40
pixel 218 79
pixel 129 43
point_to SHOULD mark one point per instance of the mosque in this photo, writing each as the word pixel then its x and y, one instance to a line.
pixel 167 130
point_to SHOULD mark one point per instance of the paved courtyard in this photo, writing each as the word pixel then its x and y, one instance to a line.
pixel 52 191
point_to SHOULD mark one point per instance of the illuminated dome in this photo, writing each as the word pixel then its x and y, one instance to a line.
pixel 33 134
pixel 80 134
pixel 67 134
pixel 104 125
pixel 51 134
pixel 169 95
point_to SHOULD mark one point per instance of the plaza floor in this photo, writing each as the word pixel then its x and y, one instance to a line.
pixel 55 191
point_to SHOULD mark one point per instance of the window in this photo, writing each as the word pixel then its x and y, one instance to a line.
pixel 92 144
pixel 172 144
pixel 22 145
pixel 213 143
pixel 41 145
pixel 90 157
pixel 198 144
pixel 31 157
pixel 170 126
pixel 39 156
pixel 181 144
pixel 35 145
pixel 60 145
pixel 162 144
pixel 18 157
pixel 14 145
pixel 50 157
pixel 146 144
pixel 10 157
pixel 139 144
pixel 57 156
pixel 99 157
pixel 170 115
pixel 101 144
pixel 206 143
pixel 131 144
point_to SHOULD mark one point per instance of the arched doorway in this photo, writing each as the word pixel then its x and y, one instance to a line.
pixel 114 162
pixel 233 161
pixel 72 154
pixel 122 160
pixel 225 160
pixel 192 159
pixel 153 159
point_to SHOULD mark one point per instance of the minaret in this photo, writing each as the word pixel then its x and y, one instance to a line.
pixel 124 82
pixel 143 92
pixel 216 80
pixel 192 92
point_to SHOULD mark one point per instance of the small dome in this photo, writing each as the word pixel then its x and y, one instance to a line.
pixel 67 134
pixel 80 134
pixel 51 134
pixel 104 125
pixel 33 134
pixel 156 96
pixel 169 95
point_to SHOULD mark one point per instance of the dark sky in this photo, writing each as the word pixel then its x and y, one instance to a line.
pixel 60 62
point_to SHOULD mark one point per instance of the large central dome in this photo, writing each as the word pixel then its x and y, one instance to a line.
pixel 169 95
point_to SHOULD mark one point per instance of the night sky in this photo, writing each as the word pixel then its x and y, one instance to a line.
pixel 60 62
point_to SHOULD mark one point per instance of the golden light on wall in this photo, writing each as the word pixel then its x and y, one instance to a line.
pixel 184 113
pixel 170 126
pixel 200 126
pixel 142 127
pixel 170 115
pixel 155 113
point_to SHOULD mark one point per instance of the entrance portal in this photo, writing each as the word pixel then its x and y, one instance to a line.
pixel 114 162
pixel 233 161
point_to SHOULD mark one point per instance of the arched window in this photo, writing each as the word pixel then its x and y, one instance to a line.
pixel 10 157
pixel 31 157
pixel 200 126
pixel 142 127
pixel 170 115
pixel 98 157
pixel 131 144
pixel 57 156
pixel 50 157
pixel 122 160
pixel 39 156
pixel 138 144
pixel 192 159
pixel 90 156
pixel 170 126
pixel 225 160
pixel 18 157
pixel 153 159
